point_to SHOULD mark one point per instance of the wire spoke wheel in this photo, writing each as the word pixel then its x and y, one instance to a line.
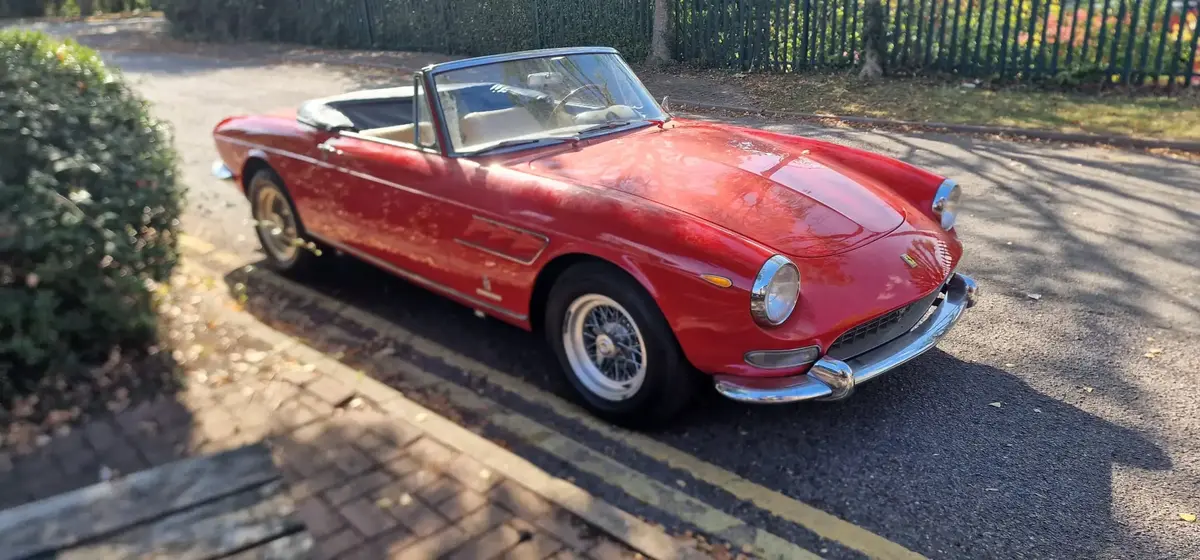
pixel 276 223
pixel 604 347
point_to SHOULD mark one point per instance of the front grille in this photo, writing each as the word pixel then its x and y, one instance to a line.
pixel 883 329
pixel 870 328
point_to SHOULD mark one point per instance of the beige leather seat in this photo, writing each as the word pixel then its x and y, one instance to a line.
pixel 490 126
pixel 405 133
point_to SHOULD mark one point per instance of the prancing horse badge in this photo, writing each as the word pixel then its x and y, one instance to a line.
pixel 911 262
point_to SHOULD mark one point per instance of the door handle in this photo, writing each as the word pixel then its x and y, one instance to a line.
pixel 329 149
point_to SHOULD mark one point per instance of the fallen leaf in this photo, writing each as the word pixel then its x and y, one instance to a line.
pixel 1088 389
pixel 420 417
pixel 681 483
pixel 996 404
pixel 1189 517
pixel 1037 410
pixel 106 473
pixel 383 503
pixel 1034 297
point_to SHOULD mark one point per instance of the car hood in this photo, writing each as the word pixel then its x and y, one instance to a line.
pixel 780 196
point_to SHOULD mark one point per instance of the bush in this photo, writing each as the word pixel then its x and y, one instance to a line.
pixel 89 207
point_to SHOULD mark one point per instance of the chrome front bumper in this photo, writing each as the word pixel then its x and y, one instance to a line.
pixel 831 380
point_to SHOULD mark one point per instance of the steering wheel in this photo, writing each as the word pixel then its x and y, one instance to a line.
pixel 574 92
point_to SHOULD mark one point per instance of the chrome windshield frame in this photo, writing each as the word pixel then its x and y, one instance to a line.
pixel 430 73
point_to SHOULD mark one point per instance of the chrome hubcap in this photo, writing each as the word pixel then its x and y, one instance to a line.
pixel 604 347
pixel 276 224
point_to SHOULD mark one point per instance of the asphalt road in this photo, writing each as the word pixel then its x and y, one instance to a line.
pixel 1093 451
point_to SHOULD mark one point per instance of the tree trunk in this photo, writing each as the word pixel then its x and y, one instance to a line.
pixel 660 39
pixel 86 7
pixel 874 42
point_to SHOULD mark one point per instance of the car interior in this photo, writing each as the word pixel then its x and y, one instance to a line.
pixel 490 113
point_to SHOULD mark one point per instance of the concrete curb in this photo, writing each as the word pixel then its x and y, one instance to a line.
pixel 1112 140
pixel 617 523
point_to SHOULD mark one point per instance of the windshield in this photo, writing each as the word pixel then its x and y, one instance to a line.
pixel 519 102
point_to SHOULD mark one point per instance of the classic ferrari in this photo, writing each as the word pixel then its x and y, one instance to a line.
pixel 548 189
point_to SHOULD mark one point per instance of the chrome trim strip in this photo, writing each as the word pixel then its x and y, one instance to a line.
pixel 493 252
pixel 831 379
pixel 279 152
pixel 418 279
pixel 489 295
pixel 506 57
pixel 387 142
pixel 758 293
pixel 940 197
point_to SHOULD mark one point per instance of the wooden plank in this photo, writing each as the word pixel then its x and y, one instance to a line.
pixel 109 507
pixel 293 546
pixel 212 530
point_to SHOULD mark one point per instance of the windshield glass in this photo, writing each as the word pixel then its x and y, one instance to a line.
pixel 521 102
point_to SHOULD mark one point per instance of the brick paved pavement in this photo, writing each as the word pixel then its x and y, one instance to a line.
pixel 368 483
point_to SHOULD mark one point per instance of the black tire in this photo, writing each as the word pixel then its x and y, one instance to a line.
pixel 669 383
pixel 305 256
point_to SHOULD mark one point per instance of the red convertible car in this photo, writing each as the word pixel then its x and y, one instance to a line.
pixel 548 189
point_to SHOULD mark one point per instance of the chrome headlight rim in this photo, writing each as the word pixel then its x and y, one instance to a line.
pixel 762 285
pixel 945 203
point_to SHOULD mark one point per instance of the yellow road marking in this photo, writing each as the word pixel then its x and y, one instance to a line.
pixel 819 522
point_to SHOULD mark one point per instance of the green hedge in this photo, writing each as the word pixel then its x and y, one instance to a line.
pixel 89 207
pixel 469 27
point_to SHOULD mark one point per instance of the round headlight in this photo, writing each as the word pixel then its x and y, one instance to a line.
pixel 945 203
pixel 776 291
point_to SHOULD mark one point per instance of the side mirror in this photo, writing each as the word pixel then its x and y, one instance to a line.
pixel 666 103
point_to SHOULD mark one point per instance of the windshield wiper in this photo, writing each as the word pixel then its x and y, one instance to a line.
pixel 574 138
pixel 611 124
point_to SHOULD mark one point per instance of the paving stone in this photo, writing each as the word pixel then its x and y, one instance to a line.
pixel 329 390
pixel 418 479
pixel 316 404
pixel 101 435
pixel 461 504
pixel 609 550
pixel 433 546
pixel 366 517
pixel 356 487
pixel 431 454
pixel 292 415
pixel 488 545
pixel 387 545
pixel 484 519
pixel 397 432
pixel 472 473
pixel 350 460
pixel 565 527
pixel 320 519
pixel 401 467
pixel 414 514
pixel 296 374
pixel 333 546
pixel 312 485
pixel 439 490
pixel 123 458
pixel 520 501
pixel 534 545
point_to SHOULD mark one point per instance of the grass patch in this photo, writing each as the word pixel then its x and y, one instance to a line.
pixel 925 100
